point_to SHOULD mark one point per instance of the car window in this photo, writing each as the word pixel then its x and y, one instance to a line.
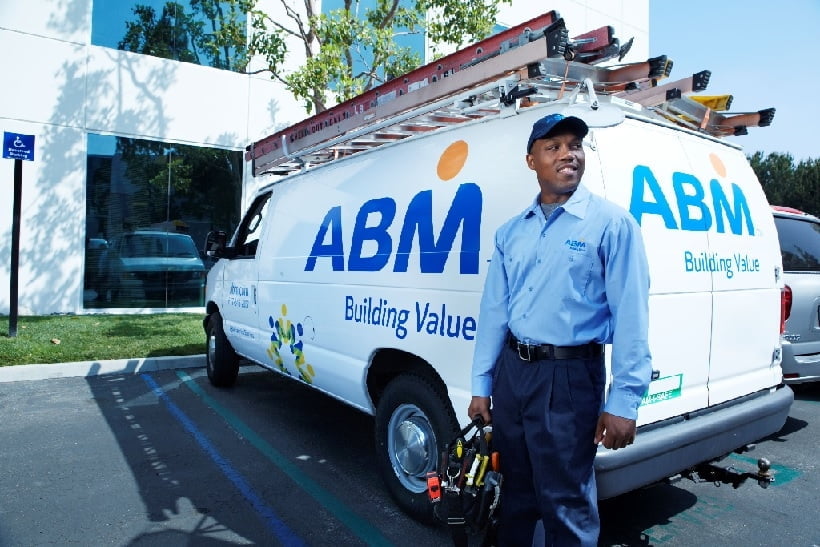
pixel 162 245
pixel 139 246
pixel 181 247
pixel 799 243
pixel 247 236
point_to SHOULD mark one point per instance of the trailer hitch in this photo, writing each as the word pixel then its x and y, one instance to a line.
pixel 712 472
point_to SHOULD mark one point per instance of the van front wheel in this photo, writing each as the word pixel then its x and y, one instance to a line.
pixel 414 423
pixel 221 360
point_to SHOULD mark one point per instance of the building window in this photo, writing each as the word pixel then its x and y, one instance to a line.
pixel 149 207
pixel 204 32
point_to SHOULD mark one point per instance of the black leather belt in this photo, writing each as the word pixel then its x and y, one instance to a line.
pixel 538 352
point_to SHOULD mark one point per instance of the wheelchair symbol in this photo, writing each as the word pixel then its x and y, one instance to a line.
pixel 18 143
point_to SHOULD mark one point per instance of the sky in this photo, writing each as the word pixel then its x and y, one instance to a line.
pixel 761 52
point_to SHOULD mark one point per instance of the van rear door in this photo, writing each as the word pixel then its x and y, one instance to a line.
pixel 743 254
pixel 647 181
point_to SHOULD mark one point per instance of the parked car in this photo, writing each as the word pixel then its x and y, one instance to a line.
pixel 799 235
pixel 160 268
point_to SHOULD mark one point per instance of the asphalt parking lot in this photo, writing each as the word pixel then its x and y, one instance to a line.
pixel 162 458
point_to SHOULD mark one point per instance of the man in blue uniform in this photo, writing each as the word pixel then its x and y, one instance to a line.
pixel 568 275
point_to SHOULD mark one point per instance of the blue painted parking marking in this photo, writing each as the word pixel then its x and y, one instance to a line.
pixel 269 517
pixel 359 526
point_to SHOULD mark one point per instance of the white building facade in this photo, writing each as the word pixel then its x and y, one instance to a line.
pixel 129 145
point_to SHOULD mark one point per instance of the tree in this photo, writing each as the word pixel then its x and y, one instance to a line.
pixel 353 49
pixel 786 184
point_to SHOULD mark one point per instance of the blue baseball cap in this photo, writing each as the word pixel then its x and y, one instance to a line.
pixel 554 122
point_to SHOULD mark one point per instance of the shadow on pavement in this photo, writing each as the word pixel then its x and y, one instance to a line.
pixel 626 519
pixel 181 505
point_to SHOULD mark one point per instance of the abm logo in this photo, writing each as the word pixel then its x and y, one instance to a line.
pixel 574 245
pixel 727 208
pixel 371 229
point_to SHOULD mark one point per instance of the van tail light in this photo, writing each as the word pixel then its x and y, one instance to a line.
pixel 785 306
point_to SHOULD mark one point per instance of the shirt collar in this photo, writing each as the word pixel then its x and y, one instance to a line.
pixel 576 205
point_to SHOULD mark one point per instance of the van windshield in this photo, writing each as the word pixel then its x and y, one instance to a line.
pixel 799 243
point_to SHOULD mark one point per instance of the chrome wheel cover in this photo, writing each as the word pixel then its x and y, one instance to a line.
pixel 411 446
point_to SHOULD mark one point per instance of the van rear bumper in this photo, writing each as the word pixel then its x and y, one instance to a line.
pixel 666 448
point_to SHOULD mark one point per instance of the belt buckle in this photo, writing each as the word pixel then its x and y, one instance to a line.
pixel 528 358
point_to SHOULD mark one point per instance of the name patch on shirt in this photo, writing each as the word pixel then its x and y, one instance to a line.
pixel 575 245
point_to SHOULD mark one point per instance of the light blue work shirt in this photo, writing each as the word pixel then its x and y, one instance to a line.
pixel 580 276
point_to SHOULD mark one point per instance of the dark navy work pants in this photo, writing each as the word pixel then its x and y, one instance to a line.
pixel 544 418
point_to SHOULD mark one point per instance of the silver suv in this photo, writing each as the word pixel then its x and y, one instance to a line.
pixel 799 235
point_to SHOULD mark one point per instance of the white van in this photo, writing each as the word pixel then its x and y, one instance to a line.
pixel 362 276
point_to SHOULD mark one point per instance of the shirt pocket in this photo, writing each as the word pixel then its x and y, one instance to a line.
pixel 579 260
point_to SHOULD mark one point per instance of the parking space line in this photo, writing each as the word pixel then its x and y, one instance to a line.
pixel 271 520
pixel 354 522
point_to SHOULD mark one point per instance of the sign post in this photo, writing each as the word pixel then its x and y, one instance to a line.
pixel 19 148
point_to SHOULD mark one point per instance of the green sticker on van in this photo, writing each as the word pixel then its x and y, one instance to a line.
pixel 663 389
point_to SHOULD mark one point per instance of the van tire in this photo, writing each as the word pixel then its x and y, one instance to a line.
pixel 221 360
pixel 413 406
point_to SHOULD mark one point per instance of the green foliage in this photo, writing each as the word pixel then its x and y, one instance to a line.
pixel 788 184
pixel 459 23
pixel 67 338
pixel 337 42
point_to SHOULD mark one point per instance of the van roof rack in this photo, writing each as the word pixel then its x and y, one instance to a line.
pixel 534 62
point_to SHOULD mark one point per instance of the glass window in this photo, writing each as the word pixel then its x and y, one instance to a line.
pixel 799 243
pixel 205 32
pixel 149 208
pixel 246 239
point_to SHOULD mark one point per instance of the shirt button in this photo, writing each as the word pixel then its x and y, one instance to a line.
pixel 538 261
pixel 530 289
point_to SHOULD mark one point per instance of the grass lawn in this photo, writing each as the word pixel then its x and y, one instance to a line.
pixel 65 338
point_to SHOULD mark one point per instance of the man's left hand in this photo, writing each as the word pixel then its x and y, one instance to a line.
pixel 615 432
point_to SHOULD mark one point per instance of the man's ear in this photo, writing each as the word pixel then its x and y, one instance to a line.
pixel 529 161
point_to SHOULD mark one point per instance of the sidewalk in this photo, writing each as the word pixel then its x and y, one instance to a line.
pixel 16 373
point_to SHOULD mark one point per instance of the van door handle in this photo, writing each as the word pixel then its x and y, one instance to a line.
pixel 254 295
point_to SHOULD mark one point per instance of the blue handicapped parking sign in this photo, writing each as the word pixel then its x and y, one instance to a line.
pixel 17 146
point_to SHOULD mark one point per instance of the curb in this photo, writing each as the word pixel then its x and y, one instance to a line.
pixel 17 373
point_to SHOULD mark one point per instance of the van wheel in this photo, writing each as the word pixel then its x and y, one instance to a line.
pixel 414 423
pixel 221 360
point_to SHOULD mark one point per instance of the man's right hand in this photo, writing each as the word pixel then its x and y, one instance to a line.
pixel 480 406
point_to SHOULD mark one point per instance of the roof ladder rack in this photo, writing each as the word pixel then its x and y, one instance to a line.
pixel 534 62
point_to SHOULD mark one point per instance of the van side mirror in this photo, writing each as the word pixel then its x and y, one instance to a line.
pixel 215 243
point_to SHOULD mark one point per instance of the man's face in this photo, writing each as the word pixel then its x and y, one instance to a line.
pixel 558 162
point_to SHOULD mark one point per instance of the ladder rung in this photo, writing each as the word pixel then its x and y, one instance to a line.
pixel 658 94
